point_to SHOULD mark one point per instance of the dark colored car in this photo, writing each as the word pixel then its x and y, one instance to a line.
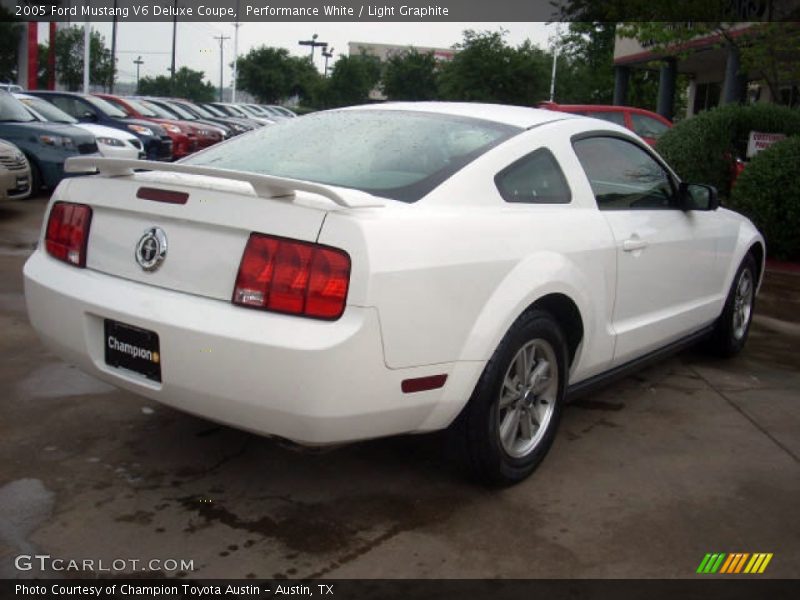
pixel 229 111
pixel 91 109
pixel 644 123
pixel 45 145
pixel 181 112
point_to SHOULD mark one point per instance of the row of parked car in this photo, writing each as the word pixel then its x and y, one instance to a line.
pixel 39 130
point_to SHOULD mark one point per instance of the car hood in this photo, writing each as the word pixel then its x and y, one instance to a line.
pixel 103 131
pixel 36 128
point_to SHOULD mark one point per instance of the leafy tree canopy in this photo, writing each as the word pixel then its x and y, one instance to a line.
pixel 189 84
pixel 411 75
pixel 272 75
pixel 69 58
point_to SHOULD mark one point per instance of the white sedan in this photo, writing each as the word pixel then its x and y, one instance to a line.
pixel 391 269
pixel 111 142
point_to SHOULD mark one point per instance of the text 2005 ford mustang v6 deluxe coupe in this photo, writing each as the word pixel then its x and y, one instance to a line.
pixel 388 269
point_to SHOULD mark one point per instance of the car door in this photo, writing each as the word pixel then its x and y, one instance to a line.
pixel 667 279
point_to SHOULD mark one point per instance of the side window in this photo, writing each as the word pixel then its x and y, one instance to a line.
pixel 615 117
pixel 647 126
pixel 66 104
pixel 534 179
pixel 623 176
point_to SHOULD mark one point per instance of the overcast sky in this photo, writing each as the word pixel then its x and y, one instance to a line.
pixel 197 48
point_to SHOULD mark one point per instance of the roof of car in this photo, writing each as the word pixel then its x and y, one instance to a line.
pixel 518 116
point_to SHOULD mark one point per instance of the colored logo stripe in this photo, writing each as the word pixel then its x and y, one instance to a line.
pixel 734 563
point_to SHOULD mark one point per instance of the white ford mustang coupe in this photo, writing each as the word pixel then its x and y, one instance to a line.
pixel 391 269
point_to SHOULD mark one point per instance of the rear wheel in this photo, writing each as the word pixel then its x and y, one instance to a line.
pixel 36 179
pixel 509 423
pixel 732 327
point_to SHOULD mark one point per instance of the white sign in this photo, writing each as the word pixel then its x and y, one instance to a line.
pixel 761 141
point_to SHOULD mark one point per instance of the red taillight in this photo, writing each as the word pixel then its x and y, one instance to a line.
pixel 68 232
pixel 292 277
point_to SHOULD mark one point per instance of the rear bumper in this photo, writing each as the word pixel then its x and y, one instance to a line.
pixel 313 382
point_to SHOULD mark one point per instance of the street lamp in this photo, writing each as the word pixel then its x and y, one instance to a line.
pixel 327 54
pixel 314 45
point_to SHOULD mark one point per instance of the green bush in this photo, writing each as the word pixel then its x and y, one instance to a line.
pixel 767 191
pixel 701 148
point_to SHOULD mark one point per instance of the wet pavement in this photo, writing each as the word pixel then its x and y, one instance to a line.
pixel 692 455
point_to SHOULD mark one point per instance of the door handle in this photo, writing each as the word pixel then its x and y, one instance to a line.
pixel 633 244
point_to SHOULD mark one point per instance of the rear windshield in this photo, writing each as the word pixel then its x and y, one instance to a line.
pixel 401 155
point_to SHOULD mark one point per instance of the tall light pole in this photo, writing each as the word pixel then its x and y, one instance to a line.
pixel 174 36
pixel 327 54
pixel 113 50
pixel 221 39
pixel 138 62
pixel 314 45
pixel 236 26
pixel 87 42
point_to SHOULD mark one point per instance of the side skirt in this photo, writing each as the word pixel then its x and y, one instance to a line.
pixel 603 379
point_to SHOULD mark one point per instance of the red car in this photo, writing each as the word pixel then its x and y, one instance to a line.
pixel 186 137
pixel 647 125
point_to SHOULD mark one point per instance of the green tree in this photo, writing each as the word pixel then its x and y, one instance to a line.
pixel 69 58
pixel 487 69
pixel 9 45
pixel 410 75
pixel 271 74
pixel 351 81
pixel 586 63
pixel 189 84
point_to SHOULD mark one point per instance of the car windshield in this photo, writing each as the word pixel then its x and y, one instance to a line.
pixel 235 111
pixel 12 109
pixel 214 111
pixel 141 108
pixel 106 108
pixel 49 111
pixel 395 154
pixel 157 110
pixel 201 111
pixel 180 111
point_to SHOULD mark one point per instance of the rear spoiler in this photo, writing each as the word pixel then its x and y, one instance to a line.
pixel 265 186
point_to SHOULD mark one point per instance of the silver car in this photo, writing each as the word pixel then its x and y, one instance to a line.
pixel 15 173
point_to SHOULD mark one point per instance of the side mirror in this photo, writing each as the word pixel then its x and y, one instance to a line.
pixel 698 196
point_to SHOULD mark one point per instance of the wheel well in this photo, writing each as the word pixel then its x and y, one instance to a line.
pixel 566 313
pixel 757 250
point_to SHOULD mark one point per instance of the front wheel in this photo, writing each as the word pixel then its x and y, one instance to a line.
pixel 732 327
pixel 510 422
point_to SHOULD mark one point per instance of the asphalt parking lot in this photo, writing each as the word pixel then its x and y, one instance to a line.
pixel 692 455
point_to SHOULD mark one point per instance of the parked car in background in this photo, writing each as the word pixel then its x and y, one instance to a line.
pixel 258 112
pixel 91 109
pixel 215 111
pixel 209 130
pixel 45 145
pixel 193 113
pixel 240 112
pixel 393 268
pixel 646 124
pixel 111 142
pixel 200 136
pixel 281 109
pixel 15 173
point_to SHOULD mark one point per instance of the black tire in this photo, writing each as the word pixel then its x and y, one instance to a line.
pixel 36 179
pixel 476 433
pixel 730 330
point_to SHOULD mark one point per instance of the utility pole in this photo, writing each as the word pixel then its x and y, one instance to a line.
pixel 174 35
pixel 138 62
pixel 113 49
pixel 327 54
pixel 236 26
pixel 87 42
pixel 221 39
pixel 314 45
